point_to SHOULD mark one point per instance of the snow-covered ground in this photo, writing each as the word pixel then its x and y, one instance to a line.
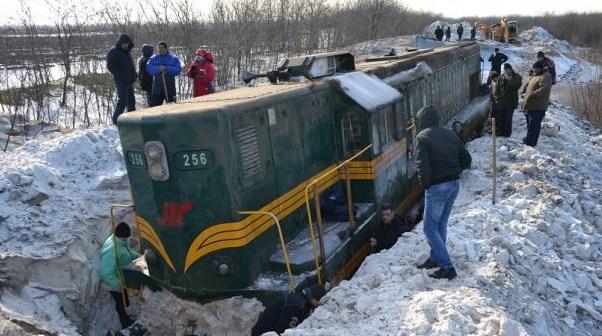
pixel 530 264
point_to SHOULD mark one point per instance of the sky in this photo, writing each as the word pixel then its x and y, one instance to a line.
pixel 449 8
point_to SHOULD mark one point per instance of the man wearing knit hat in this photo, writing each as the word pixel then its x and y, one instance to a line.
pixel 289 310
pixel 537 98
pixel 111 265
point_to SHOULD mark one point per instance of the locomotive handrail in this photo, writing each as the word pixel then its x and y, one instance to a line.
pixel 119 272
pixel 282 242
pixel 311 184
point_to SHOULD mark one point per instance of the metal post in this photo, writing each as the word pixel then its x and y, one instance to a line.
pixel 320 225
pixel 493 150
pixel 349 200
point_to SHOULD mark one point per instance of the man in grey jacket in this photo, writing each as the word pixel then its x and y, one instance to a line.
pixel 440 157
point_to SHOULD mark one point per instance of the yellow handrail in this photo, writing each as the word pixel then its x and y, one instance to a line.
pixel 309 219
pixel 282 243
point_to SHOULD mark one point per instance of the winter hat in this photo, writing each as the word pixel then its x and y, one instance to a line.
pixel 147 50
pixel 538 65
pixel 122 230
pixel 540 54
pixel 199 52
pixel 507 66
pixel 316 292
pixel 164 44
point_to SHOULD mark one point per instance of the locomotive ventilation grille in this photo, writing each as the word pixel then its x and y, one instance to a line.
pixel 249 151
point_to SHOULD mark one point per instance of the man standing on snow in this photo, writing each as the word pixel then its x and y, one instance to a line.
pixel 460 31
pixel 202 73
pixel 473 33
pixel 110 268
pixel 439 33
pixel 391 228
pixel 288 311
pixel 440 158
pixel 447 34
pixel 121 65
pixel 548 64
pixel 506 98
pixel 537 98
pixel 164 68
pixel 146 80
pixel 497 59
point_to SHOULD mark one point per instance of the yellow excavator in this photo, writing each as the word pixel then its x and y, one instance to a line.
pixel 503 31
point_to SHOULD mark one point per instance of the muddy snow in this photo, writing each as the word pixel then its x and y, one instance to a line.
pixel 528 265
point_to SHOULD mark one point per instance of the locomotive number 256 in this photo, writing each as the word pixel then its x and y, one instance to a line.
pixel 196 159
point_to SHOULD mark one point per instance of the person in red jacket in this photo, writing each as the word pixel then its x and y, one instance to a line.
pixel 202 72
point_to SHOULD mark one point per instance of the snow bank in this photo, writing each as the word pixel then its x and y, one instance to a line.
pixel 528 265
pixel 538 36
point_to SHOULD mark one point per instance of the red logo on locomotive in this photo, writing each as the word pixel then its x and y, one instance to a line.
pixel 173 214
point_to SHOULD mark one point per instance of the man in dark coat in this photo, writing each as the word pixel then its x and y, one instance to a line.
pixel 497 59
pixel 473 33
pixel 548 64
pixel 447 33
pixel 537 98
pixel 121 65
pixel 439 33
pixel 288 310
pixel 460 31
pixel 146 80
pixel 506 98
pixel 391 227
pixel 440 158
pixel 163 66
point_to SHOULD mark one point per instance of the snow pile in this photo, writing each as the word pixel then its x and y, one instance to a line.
pixel 528 265
pixel 538 36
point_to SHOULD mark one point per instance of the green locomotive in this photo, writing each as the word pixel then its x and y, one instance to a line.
pixel 214 178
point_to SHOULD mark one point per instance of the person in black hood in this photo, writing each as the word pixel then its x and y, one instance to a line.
pixel 146 80
pixel 121 65
pixel 288 310
pixel 440 158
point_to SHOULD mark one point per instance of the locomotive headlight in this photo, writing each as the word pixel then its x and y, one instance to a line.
pixel 157 161
pixel 223 269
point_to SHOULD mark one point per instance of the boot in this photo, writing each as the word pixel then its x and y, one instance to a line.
pixel 428 264
pixel 444 273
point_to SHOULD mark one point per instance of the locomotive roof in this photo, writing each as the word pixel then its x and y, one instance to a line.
pixel 242 95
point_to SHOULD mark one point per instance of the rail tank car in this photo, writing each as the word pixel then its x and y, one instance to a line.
pixel 264 189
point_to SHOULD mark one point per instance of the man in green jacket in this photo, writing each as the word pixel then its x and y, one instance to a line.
pixel 506 99
pixel 110 268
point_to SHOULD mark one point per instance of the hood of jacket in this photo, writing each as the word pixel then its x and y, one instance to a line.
pixel 427 117
pixel 125 39
pixel 148 50
pixel 207 55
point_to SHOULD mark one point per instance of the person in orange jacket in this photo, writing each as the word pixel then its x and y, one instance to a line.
pixel 202 71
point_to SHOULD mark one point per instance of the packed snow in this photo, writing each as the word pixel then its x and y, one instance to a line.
pixel 528 264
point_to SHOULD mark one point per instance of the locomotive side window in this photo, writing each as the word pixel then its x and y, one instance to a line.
pixel 351 133
pixel 386 125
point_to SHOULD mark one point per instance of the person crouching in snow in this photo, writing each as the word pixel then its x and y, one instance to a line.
pixel 110 266
pixel 390 229
pixel 202 72
pixel 288 311
pixel 440 157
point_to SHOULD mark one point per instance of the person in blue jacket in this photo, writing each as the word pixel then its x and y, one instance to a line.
pixel 163 67
pixel 121 65
pixel 110 266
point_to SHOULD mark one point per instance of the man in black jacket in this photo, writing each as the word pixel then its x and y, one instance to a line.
pixel 391 227
pixel 440 157
pixel 288 310
pixel 497 59
pixel 460 31
pixel 146 80
pixel 439 33
pixel 121 65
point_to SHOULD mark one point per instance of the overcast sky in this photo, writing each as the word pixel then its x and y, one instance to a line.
pixel 449 8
